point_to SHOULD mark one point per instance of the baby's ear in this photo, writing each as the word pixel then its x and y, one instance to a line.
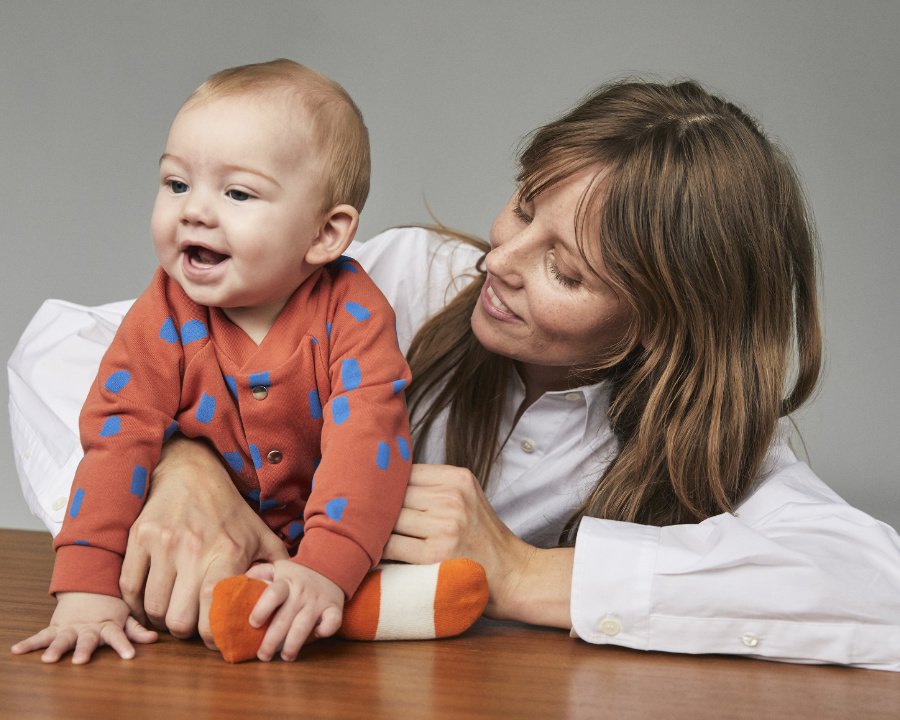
pixel 336 233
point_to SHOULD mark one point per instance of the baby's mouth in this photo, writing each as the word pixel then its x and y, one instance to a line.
pixel 204 256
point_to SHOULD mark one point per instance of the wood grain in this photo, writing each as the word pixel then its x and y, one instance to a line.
pixel 496 670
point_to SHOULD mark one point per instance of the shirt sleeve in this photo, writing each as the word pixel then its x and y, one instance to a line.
pixel 795 574
pixel 359 484
pixel 130 408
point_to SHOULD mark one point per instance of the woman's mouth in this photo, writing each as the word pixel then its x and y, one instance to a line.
pixel 494 306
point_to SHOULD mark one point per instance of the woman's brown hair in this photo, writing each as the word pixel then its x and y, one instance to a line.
pixel 703 231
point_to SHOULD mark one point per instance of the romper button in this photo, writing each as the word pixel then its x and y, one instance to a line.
pixel 274 456
pixel 260 392
pixel 610 626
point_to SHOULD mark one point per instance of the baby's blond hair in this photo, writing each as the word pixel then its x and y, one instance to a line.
pixel 337 124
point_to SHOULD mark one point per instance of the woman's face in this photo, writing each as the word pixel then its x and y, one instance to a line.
pixel 541 304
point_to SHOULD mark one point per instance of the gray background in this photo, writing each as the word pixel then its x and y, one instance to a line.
pixel 448 88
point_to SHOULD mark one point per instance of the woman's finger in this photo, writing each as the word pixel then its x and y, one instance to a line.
pixel 409 550
pixel 158 591
pixel 133 577
pixel 184 603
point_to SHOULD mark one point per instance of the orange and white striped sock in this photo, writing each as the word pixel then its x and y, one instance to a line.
pixel 394 602
pixel 416 602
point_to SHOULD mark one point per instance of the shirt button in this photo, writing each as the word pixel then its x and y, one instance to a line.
pixel 274 456
pixel 59 503
pixel 260 392
pixel 573 396
pixel 610 626
pixel 528 445
pixel 750 640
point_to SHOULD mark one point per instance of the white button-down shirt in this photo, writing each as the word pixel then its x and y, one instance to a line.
pixel 794 574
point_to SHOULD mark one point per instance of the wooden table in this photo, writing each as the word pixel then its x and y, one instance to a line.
pixel 496 670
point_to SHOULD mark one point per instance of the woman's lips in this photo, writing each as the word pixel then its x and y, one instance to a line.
pixel 494 306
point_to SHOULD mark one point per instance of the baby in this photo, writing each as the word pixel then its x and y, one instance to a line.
pixel 259 336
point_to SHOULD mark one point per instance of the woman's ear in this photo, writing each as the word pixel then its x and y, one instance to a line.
pixel 335 234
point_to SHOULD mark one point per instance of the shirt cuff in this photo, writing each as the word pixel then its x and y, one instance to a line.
pixel 81 568
pixel 340 559
pixel 611 582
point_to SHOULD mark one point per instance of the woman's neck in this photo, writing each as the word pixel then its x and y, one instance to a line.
pixel 539 379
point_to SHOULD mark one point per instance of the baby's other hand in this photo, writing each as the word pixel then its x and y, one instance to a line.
pixel 83 622
pixel 304 603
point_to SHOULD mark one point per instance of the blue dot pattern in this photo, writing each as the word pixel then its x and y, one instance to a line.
pixel 398 385
pixel 117 381
pixel 83 543
pixel 351 375
pixel 335 508
pixel 234 460
pixel 357 311
pixel 261 378
pixel 206 410
pixel 294 530
pixel 315 405
pixel 77 500
pixel 268 504
pixel 403 447
pixel 232 385
pixel 313 340
pixel 139 481
pixel 345 263
pixel 111 426
pixel 340 409
pixel 254 496
pixel 255 456
pixel 328 330
pixel 193 330
pixel 383 457
pixel 169 332
pixel 170 431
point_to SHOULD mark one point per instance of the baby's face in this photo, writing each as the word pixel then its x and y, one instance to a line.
pixel 239 202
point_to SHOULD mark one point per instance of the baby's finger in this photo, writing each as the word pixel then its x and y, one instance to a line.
pixel 330 622
pixel 272 598
pixel 87 642
pixel 35 642
pixel 114 636
pixel 274 637
pixel 296 636
pixel 261 571
pixel 136 632
pixel 62 643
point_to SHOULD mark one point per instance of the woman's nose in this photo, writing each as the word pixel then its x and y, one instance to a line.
pixel 507 259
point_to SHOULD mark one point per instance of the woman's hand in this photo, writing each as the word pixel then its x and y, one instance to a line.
pixel 195 529
pixel 446 515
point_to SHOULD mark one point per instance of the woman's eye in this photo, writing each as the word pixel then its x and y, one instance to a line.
pixel 563 280
pixel 521 214
pixel 177 187
pixel 238 195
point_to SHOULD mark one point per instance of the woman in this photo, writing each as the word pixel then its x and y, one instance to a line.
pixel 600 416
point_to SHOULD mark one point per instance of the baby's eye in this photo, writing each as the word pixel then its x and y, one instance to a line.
pixel 239 195
pixel 177 186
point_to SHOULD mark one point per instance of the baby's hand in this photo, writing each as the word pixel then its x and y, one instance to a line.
pixel 304 602
pixel 84 622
